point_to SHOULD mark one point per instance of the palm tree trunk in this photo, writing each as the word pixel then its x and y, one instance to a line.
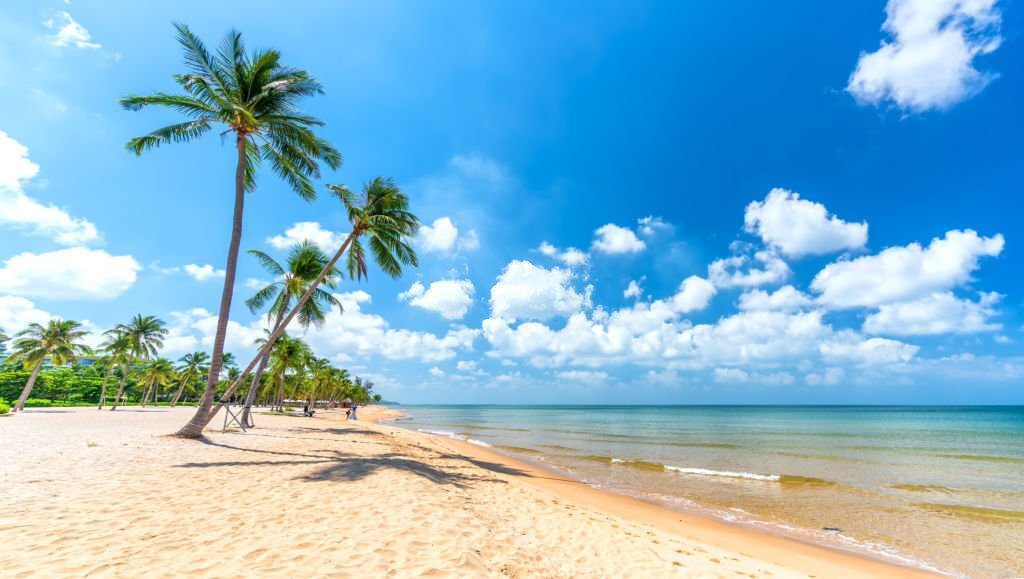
pixel 194 427
pixel 28 386
pixel 180 390
pixel 284 323
pixel 103 389
pixel 247 408
pixel 124 378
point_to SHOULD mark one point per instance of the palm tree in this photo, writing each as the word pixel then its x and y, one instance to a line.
pixel 305 260
pixel 381 213
pixel 288 354
pixel 116 348
pixel 156 373
pixel 191 365
pixel 58 341
pixel 253 96
pixel 144 336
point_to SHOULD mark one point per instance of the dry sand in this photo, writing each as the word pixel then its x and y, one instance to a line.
pixel 89 493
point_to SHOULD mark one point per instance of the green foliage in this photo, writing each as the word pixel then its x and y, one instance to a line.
pixel 4 407
pixel 75 385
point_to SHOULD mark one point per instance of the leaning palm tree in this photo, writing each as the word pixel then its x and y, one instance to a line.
pixel 381 214
pixel 305 260
pixel 115 346
pixel 156 373
pixel 255 97
pixel 57 341
pixel 144 336
pixel 191 366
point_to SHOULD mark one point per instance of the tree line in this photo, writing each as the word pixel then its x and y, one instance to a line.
pixel 253 97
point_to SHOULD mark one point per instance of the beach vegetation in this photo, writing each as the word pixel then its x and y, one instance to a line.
pixel 253 96
pixel 143 337
pixel 58 342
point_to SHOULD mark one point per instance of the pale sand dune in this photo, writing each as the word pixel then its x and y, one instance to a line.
pixel 88 493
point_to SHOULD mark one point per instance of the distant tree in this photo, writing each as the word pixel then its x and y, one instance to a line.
pixel 59 341
pixel 191 366
pixel 144 336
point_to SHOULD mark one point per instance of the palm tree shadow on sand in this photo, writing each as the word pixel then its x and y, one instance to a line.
pixel 342 466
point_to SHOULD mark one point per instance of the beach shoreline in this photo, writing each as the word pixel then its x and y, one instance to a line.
pixel 109 494
pixel 815 558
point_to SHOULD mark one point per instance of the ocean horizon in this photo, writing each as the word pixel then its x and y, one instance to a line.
pixel 939 487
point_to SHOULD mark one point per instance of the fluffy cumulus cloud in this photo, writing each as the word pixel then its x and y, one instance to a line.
pixel 740 271
pixel 310 231
pixel 72 273
pixel 613 239
pixel 194 329
pixel 571 257
pixel 786 298
pixel 527 291
pixel 905 273
pixel 585 376
pixel 26 214
pixel 929 60
pixel 799 227
pixel 68 32
pixel 442 236
pixel 357 334
pixel 650 225
pixel 17 312
pixel 633 290
pixel 937 313
pixel 451 298
pixel 203 272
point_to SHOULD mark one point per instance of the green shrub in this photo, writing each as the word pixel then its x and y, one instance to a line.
pixel 4 408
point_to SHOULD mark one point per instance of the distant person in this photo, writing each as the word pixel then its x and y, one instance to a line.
pixel 353 415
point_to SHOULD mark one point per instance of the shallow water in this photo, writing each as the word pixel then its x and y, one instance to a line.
pixel 942 487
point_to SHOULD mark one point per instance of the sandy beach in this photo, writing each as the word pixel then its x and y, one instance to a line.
pixel 106 494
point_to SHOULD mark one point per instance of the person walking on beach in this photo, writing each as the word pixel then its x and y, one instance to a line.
pixel 353 415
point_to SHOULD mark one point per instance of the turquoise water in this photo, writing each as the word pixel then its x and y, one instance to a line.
pixel 941 487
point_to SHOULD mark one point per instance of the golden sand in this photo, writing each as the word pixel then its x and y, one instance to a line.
pixel 89 493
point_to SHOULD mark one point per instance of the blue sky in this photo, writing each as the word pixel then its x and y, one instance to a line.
pixel 743 202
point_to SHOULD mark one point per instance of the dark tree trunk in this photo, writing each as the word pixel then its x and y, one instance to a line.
pixel 20 405
pixel 194 427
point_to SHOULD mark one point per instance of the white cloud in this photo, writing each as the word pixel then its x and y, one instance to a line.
pixel 312 231
pixel 786 298
pixel 571 257
pixel 442 236
pixel 650 225
pixel 800 227
pixel 256 283
pixel 67 32
pixel 736 375
pixel 585 376
pixel 466 366
pixel 194 329
pixel 613 239
pixel 928 63
pixel 22 212
pixel 527 291
pixel 360 334
pixel 72 273
pixel 16 313
pixel 871 351
pixel 451 298
pixel 633 290
pixel 203 272
pixel 436 372
pixel 827 377
pixel 938 313
pixel 728 272
pixel 904 273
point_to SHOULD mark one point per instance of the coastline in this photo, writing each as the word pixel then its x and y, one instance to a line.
pixel 109 494
pixel 789 553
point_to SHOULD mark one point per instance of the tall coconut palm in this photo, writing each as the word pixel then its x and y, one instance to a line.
pixel 58 340
pixel 288 354
pixel 115 348
pixel 156 373
pixel 255 97
pixel 305 260
pixel 191 366
pixel 381 214
pixel 144 336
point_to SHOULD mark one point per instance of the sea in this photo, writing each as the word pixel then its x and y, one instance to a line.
pixel 936 487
